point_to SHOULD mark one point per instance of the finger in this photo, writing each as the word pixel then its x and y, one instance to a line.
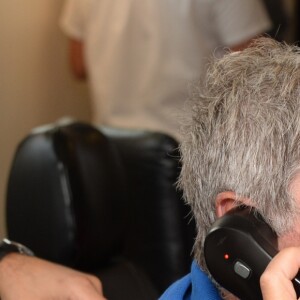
pixel 286 262
pixel 90 293
pixel 276 280
pixel 95 281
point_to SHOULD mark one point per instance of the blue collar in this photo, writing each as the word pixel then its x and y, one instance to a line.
pixel 194 286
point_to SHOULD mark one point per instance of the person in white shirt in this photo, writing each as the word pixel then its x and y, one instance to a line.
pixel 141 56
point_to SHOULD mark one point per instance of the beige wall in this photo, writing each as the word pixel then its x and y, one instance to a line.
pixel 35 84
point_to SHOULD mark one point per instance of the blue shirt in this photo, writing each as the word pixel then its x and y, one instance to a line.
pixel 194 286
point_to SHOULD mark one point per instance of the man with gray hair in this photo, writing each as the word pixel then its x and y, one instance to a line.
pixel 241 146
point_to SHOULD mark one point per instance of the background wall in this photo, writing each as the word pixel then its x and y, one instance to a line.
pixel 293 15
pixel 35 83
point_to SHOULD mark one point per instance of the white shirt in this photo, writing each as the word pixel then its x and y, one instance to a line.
pixel 141 55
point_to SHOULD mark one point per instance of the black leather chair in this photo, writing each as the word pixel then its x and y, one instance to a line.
pixel 104 201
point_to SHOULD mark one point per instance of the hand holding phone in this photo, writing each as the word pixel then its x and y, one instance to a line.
pixel 237 251
pixel 276 281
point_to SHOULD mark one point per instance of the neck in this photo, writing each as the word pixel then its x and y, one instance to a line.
pixel 228 296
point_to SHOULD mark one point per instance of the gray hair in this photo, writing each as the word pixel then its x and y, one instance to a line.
pixel 244 136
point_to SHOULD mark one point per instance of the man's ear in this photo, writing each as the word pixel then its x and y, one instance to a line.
pixel 225 201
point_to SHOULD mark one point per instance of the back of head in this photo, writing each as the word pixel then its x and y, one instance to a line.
pixel 244 135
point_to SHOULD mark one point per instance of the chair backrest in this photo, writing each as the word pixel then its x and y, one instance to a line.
pixel 102 200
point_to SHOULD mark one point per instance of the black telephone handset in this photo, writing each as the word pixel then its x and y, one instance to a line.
pixel 237 249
